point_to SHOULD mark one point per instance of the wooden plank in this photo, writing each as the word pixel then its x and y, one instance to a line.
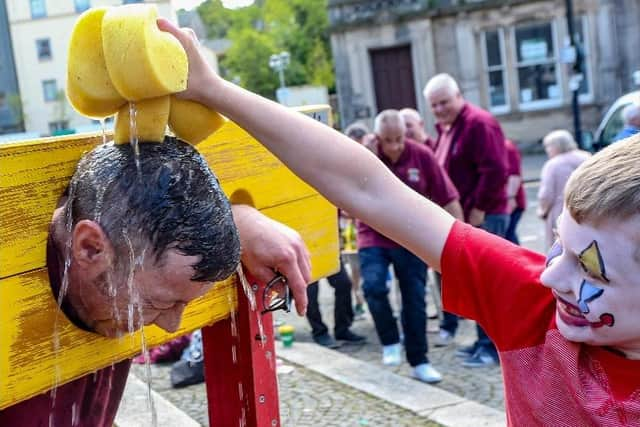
pixel 34 174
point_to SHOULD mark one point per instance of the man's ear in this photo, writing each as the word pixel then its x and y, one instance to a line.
pixel 91 248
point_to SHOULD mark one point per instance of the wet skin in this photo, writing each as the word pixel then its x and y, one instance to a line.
pixel 612 299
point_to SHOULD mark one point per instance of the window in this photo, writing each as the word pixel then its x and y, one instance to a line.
pixel 57 126
pixel 82 5
pixel 538 77
pixel 495 70
pixel 43 47
pixel 50 90
pixel 132 1
pixel 38 9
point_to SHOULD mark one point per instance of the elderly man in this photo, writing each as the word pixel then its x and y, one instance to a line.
pixel 142 243
pixel 631 118
pixel 471 148
pixel 415 127
pixel 414 165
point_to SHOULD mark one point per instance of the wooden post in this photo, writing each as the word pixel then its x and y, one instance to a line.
pixel 240 366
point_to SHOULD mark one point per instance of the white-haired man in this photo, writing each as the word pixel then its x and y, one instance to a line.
pixel 415 165
pixel 415 127
pixel 631 118
pixel 470 147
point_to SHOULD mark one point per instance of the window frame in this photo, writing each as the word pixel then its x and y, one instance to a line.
pixel 582 20
pixel 41 58
pixel 42 13
pixel 44 90
pixel 506 107
pixel 555 60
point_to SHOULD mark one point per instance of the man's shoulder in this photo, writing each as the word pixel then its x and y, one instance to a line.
pixel 475 115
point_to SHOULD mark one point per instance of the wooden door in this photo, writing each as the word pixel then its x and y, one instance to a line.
pixel 393 78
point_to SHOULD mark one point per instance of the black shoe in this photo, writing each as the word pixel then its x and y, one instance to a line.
pixel 325 340
pixel 185 372
pixel 467 352
pixel 351 337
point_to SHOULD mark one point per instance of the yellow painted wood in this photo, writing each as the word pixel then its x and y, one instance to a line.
pixel 33 174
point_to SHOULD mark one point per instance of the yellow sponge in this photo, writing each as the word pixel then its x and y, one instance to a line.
pixel 193 122
pixel 143 61
pixel 89 87
pixel 150 120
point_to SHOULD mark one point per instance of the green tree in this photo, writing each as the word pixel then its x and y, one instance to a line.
pixel 271 26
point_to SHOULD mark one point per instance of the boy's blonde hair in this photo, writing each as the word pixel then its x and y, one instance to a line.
pixel 607 185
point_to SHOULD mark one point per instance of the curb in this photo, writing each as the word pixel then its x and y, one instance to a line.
pixel 134 408
pixel 431 402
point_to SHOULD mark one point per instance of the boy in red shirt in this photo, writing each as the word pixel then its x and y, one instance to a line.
pixel 566 326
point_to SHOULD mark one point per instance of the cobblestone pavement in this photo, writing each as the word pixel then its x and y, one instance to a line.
pixel 306 399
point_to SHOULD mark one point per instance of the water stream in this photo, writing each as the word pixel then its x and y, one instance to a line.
pixel 133 135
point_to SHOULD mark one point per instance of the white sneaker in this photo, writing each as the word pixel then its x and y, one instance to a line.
pixel 426 373
pixel 444 338
pixel 392 355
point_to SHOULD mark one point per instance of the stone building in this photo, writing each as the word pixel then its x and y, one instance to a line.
pixel 509 56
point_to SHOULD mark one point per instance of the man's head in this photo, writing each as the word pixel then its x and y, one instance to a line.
pixel 152 238
pixel 443 95
pixel 558 142
pixel 356 131
pixel 631 115
pixel 389 128
pixel 414 125
pixel 594 268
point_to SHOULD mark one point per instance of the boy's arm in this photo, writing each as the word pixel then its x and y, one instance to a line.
pixel 346 173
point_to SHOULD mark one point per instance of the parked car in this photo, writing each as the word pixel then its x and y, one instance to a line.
pixel 611 123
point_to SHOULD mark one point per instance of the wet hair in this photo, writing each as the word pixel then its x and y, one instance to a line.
pixel 607 185
pixel 356 131
pixel 173 201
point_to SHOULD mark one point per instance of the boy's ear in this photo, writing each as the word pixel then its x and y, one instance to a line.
pixel 91 248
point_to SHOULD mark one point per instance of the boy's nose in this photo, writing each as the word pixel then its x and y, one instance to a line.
pixel 561 277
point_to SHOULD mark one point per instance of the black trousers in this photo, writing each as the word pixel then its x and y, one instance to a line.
pixel 342 309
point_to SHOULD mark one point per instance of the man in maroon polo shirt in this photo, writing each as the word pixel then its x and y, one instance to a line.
pixel 470 147
pixel 415 127
pixel 415 165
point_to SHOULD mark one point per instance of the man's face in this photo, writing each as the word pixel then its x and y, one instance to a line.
pixel 594 274
pixel 445 105
pixel 391 141
pixel 414 128
pixel 159 291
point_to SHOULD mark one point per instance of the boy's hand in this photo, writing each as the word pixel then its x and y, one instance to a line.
pixel 269 246
pixel 201 75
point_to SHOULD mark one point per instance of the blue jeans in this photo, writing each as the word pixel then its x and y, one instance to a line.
pixel 514 219
pixel 411 273
pixel 496 224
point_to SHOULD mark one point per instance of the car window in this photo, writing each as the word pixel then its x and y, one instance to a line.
pixel 613 126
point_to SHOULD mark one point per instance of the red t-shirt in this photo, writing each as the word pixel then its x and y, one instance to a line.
pixel 418 169
pixel 515 168
pixel 549 381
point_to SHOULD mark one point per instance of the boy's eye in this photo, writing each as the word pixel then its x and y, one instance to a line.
pixel 592 262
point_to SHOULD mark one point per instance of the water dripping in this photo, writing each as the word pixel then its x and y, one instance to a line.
pixel 147 369
pixel 133 133
pixel 133 295
pixel 234 355
pixel 103 125
pixel 75 415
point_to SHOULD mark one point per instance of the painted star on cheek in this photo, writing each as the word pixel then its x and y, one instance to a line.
pixel 588 292
pixel 592 262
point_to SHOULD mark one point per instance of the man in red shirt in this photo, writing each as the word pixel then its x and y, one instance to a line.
pixel 414 165
pixel 470 147
pixel 516 198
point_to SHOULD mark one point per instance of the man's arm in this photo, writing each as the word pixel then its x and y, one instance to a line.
pixel 269 246
pixel 349 175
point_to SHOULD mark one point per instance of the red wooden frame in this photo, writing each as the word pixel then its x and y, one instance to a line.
pixel 240 367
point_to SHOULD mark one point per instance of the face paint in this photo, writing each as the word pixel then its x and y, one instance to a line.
pixel 588 292
pixel 554 252
pixel 592 262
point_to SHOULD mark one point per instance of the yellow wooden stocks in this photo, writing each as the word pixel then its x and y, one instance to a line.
pixel 34 174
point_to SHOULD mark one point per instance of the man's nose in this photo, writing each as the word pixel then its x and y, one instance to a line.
pixel 169 320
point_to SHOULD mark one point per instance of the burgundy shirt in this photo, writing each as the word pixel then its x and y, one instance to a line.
pixel 472 152
pixel 89 401
pixel 417 168
pixel 515 168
